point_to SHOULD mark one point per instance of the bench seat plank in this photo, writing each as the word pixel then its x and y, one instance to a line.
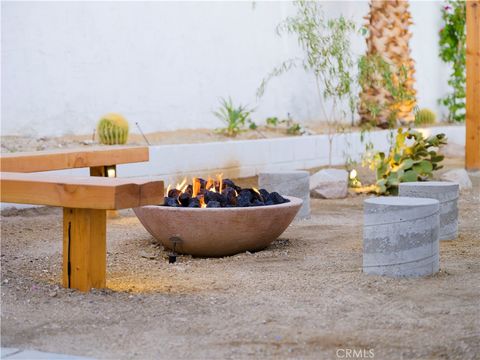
pixel 80 192
pixel 27 162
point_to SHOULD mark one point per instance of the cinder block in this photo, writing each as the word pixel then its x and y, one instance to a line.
pixel 290 183
pixel 400 236
pixel 447 195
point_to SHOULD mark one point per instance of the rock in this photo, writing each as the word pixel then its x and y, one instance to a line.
pixel 453 150
pixel 459 176
pixel 329 184
pixel 288 183
pixel 146 255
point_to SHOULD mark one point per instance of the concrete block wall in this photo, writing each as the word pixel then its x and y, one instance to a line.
pixel 247 158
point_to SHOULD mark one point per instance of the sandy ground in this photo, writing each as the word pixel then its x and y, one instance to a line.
pixel 304 297
pixel 187 136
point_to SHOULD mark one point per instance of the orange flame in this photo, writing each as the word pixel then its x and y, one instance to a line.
pixel 202 202
pixel 181 185
pixel 196 187
pixel 209 184
pixel 220 182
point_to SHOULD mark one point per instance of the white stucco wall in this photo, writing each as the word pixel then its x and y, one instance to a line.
pixel 165 64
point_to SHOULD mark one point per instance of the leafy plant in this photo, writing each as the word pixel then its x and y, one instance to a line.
pixel 235 118
pixel 412 158
pixel 113 129
pixel 327 56
pixel 453 51
pixel 272 121
pixel 292 127
pixel 374 72
pixel 424 117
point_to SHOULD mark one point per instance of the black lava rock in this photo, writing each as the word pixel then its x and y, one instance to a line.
pixel 264 194
pixel 194 203
pixel 245 198
pixel 256 196
pixel 213 204
pixel 227 183
pixel 229 194
pixel 174 193
pixel 170 201
pixel 258 203
pixel 203 182
pixel 214 196
pixel 276 198
pixel 185 199
pixel 189 190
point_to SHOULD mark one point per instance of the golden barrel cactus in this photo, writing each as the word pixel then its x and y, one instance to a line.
pixel 113 129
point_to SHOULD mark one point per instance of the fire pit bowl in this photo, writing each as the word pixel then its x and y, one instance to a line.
pixel 216 232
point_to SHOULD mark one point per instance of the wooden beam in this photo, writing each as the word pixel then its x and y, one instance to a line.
pixel 84 248
pixel 69 159
pixel 472 124
pixel 103 171
pixel 80 192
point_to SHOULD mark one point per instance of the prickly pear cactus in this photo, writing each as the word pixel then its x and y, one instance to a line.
pixel 412 158
pixel 112 129
pixel 424 117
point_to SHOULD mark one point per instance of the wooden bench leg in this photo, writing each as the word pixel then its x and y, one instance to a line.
pixel 106 171
pixel 84 248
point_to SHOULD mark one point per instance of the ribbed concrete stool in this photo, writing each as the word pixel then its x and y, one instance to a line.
pixel 446 193
pixel 400 236
pixel 290 183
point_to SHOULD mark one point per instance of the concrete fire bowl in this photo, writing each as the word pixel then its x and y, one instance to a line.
pixel 215 232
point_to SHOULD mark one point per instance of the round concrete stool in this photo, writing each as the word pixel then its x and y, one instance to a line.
pixel 446 193
pixel 290 183
pixel 400 236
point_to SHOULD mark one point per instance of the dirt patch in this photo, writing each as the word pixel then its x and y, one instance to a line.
pixel 303 297
pixel 11 143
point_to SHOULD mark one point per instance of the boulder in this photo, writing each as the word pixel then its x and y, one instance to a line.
pixel 459 176
pixel 329 184
pixel 290 183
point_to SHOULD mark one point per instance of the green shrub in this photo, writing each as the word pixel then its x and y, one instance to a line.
pixel 235 118
pixel 453 38
pixel 425 117
pixel 291 127
pixel 112 129
pixel 412 158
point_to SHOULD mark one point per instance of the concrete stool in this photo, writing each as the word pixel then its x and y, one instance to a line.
pixel 446 193
pixel 290 183
pixel 400 236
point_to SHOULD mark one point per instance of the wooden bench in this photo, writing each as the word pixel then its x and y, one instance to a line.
pixel 85 201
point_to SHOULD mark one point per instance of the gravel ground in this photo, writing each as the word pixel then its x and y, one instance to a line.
pixel 304 297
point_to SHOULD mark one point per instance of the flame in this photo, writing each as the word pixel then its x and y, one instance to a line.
pixel 202 202
pixel 182 184
pixel 256 190
pixel 209 184
pixel 353 174
pixel 220 182
pixel 196 187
